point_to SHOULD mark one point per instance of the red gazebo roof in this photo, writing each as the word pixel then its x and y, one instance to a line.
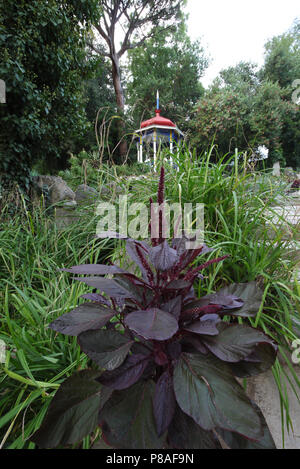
pixel 157 120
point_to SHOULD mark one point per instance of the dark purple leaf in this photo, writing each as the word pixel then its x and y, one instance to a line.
pixel 140 260
pixel 192 342
pixel 173 350
pixel 84 317
pixel 235 342
pixel 164 402
pixel 73 412
pixel 173 307
pixel 184 433
pixel 205 325
pixel 93 269
pixel 207 391
pixel 107 348
pixel 257 362
pixel 97 298
pixel 249 292
pixel 127 374
pixel 127 419
pixel 163 257
pixel 226 301
pixel 106 285
pixel 178 285
pixel 236 441
pixel 152 324
pixel 138 290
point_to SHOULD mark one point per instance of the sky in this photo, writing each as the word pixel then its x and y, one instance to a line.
pixel 235 30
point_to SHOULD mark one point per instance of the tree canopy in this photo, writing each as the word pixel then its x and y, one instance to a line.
pixel 43 64
pixel 172 64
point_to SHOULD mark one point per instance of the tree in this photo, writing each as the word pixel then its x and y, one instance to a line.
pixel 43 63
pixel 171 63
pixel 242 110
pixel 100 105
pixel 282 66
pixel 137 20
pixel 223 112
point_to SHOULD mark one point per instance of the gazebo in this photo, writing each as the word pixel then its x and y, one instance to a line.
pixel 155 134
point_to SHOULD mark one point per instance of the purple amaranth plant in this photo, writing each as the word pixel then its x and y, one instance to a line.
pixel 167 361
pixel 296 184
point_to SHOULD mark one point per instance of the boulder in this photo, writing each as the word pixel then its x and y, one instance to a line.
pixel 58 195
pixel 86 195
pixel 56 189
pixel 262 389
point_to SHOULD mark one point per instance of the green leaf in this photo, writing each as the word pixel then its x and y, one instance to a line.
pixel 73 412
pixel 107 348
pixel 127 419
pixel 207 391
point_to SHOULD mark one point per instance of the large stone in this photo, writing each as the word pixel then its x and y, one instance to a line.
pixel 264 391
pixel 58 190
pixel 86 195
pixel 58 195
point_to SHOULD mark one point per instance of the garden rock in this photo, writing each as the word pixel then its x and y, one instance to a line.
pixel 86 195
pixel 264 391
pixel 58 195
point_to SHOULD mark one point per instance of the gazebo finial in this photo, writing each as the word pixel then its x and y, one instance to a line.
pixel 157 100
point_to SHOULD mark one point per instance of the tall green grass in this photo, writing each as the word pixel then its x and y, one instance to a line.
pixel 33 292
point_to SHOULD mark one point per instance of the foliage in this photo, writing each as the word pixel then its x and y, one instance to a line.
pixel 42 63
pixel 31 250
pixel 240 111
pixel 86 168
pixel 33 292
pixel 239 221
pixel 100 103
pixel 282 66
pixel 183 63
pixel 132 21
pixel 169 359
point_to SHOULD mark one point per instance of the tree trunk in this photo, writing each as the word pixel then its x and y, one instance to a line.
pixel 120 104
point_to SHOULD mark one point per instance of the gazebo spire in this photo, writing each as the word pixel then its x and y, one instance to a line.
pixel 157 100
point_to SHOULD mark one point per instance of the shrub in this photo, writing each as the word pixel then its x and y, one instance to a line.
pixel 166 360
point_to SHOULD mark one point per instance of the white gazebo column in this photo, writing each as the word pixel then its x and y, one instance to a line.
pixel 154 148
pixel 171 146
pixel 177 151
pixel 141 149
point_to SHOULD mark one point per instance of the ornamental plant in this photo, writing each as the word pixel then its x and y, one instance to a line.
pixel 166 362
